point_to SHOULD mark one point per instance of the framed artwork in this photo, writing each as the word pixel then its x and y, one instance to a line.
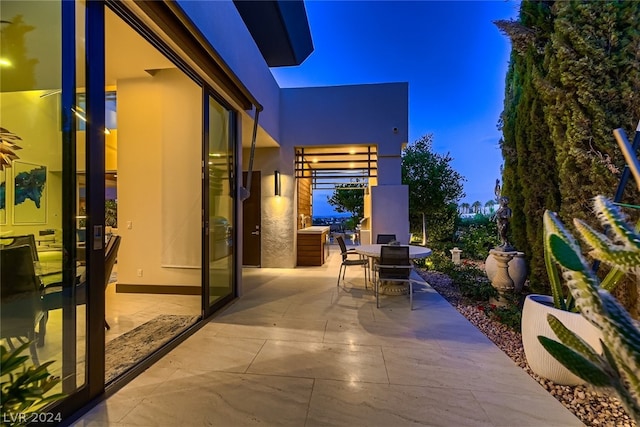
pixel 29 193
pixel 3 197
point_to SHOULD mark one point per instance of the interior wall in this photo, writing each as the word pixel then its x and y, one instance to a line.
pixel 159 178
pixel 35 120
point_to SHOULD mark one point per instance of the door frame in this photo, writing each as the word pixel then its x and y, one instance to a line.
pixel 208 309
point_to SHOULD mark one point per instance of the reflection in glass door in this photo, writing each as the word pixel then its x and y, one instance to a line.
pixel 42 294
pixel 221 215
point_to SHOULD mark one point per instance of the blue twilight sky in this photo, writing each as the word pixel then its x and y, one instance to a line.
pixel 450 52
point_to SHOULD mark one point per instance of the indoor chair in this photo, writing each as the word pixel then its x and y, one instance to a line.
pixel 21 307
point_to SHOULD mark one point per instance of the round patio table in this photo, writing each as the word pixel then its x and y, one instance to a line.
pixel 373 252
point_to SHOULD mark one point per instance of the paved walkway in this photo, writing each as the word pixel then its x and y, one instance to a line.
pixel 296 350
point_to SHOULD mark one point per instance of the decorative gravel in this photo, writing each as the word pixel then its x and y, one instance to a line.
pixel 593 408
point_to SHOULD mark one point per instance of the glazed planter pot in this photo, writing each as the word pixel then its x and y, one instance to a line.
pixel 534 323
pixel 517 270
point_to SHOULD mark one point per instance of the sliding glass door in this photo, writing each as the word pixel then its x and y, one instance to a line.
pixel 43 283
pixel 220 219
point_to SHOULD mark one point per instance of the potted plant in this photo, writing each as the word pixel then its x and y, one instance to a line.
pixel 536 308
pixel 615 363
pixel 560 304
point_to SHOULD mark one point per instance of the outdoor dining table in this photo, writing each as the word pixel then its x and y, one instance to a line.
pixel 373 252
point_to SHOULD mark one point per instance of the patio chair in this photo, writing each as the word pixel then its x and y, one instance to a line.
pixel 344 252
pixel 383 239
pixel 21 299
pixel 394 266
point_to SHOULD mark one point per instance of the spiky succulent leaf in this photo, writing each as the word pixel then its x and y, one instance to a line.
pixel 565 255
pixel 610 215
pixel 554 227
pixel 614 275
pixel 625 383
pixel 583 286
pixel 554 280
pixel 620 332
pixel 612 279
pixel 624 252
pixel 570 339
pixel 576 362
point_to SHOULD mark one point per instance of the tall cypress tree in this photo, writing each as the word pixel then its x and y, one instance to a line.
pixel 530 173
pixel 592 87
pixel 574 77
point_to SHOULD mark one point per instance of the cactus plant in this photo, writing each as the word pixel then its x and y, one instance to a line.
pixel 618 368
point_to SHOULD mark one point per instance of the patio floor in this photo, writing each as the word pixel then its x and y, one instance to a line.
pixel 296 350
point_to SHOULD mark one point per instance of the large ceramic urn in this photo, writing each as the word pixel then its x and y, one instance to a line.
pixel 534 323
pixel 517 269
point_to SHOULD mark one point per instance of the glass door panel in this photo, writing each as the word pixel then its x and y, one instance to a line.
pixel 37 167
pixel 221 203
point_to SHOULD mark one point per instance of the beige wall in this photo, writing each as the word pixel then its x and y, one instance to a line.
pixel 35 120
pixel 159 185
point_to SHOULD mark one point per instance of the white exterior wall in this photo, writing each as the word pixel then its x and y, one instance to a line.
pixel 357 114
pixel 278 226
pixel 354 114
pixel 220 22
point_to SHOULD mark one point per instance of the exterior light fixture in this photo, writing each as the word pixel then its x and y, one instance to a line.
pixel 276 183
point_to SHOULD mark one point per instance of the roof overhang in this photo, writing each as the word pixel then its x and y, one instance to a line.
pixel 280 29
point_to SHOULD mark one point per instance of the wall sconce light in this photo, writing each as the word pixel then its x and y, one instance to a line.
pixel 276 183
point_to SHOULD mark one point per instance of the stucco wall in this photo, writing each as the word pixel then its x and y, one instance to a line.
pixel 357 114
pixel 222 25
pixel 346 115
pixel 278 235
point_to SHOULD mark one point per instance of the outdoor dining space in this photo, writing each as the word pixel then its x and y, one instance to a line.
pixel 388 263
pixel 300 351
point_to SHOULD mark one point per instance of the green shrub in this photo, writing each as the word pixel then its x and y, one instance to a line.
pixel 438 261
pixel 476 236
pixel 509 315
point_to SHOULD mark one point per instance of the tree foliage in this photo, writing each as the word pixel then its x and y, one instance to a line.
pixel 573 77
pixel 434 188
pixel 348 198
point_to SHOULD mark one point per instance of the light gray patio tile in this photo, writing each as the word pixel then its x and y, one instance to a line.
pixel 539 409
pixel 224 399
pixel 318 360
pixel 274 328
pixel 200 353
pixel 343 403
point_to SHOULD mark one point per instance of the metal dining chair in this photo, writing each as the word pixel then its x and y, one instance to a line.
pixel 394 266
pixel 344 252
pixel 383 239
